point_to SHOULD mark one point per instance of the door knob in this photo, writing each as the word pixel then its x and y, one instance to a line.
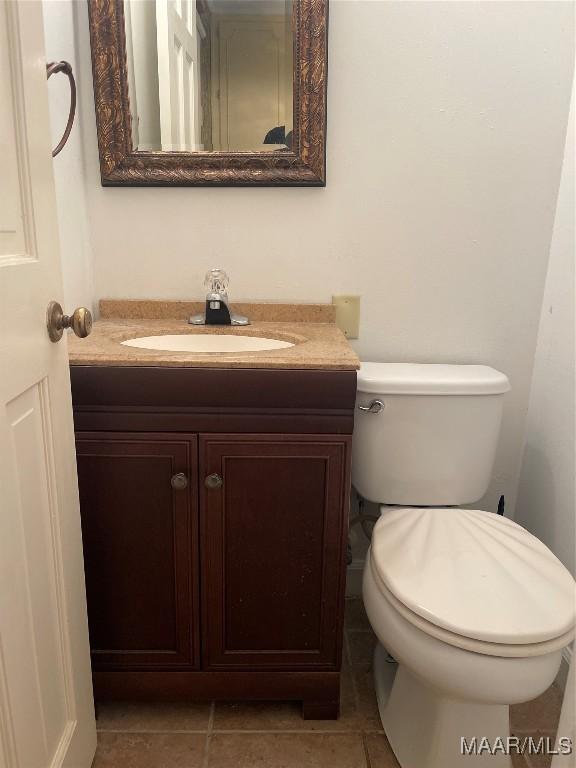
pixel 213 481
pixel 179 481
pixel 80 321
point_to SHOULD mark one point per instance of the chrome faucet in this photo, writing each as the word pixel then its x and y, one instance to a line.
pixel 217 310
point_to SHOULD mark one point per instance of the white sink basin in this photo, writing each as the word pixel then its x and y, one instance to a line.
pixel 207 343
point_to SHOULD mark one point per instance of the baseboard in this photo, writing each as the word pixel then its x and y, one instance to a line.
pixel 354 578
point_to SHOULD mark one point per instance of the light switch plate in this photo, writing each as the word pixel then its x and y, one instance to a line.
pixel 348 314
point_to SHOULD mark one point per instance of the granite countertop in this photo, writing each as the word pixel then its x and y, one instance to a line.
pixel 318 343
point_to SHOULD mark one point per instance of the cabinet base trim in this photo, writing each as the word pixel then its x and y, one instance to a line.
pixel 319 691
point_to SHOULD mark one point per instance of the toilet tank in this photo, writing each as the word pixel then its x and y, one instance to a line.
pixel 434 441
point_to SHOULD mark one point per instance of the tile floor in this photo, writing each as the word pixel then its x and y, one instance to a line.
pixel 273 735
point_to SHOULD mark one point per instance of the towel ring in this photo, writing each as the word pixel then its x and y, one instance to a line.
pixel 63 66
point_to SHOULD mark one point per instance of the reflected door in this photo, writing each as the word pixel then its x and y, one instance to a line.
pixel 249 76
pixel 178 74
pixel 46 708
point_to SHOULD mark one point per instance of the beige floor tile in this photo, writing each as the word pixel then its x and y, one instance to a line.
pixel 379 752
pixel 286 750
pixel 539 760
pixel 356 615
pixel 541 714
pixel 380 755
pixel 367 707
pixel 265 716
pixel 277 716
pixel 122 716
pixel 518 761
pixel 361 645
pixel 149 750
pixel 285 715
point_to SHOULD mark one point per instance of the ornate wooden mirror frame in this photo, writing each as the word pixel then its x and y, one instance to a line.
pixel 120 164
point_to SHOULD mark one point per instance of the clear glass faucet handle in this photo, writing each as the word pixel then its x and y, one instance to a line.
pixel 216 281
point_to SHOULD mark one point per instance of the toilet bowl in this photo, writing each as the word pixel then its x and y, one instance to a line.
pixel 441 694
pixel 451 684
pixel 473 608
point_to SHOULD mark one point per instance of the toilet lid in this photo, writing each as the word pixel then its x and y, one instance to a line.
pixel 430 379
pixel 474 573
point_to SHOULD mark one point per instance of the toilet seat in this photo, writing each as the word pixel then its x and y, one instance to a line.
pixel 505 650
pixel 474 580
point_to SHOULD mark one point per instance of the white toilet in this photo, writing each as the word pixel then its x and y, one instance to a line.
pixel 475 610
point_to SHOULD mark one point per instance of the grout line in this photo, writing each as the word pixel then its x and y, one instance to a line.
pixel 208 739
pixel 291 731
pixel 238 731
pixel 141 731
pixel 366 753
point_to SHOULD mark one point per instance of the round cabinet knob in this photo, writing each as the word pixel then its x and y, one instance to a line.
pixel 80 321
pixel 213 481
pixel 179 481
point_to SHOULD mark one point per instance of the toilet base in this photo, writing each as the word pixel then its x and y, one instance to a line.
pixel 425 729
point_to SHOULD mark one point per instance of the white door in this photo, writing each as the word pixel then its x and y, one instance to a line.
pixel 250 81
pixel 178 75
pixel 46 708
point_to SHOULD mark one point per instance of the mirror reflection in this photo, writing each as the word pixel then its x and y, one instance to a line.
pixel 210 75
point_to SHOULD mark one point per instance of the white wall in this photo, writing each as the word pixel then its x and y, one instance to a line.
pixel 446 126
pixel 546 503
pixel 75 244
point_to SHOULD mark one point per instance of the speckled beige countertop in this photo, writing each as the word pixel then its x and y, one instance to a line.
pixel 318 343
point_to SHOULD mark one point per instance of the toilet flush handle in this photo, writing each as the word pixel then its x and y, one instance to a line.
pixel 373 407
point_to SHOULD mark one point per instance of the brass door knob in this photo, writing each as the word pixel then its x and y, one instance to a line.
pixel 179 481
pixel 213 481
pixel 80 321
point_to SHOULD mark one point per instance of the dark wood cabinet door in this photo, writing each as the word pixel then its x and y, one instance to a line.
pixel 140 548
pixel 273 550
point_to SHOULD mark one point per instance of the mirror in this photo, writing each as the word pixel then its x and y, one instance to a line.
pixel 210 75
pixel 210 91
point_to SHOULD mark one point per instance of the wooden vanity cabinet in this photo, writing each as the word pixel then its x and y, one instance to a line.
pixel 271 541
pixel 232 586
pixel 141 556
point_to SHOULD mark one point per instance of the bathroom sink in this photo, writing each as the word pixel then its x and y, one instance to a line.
pixel 207 343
